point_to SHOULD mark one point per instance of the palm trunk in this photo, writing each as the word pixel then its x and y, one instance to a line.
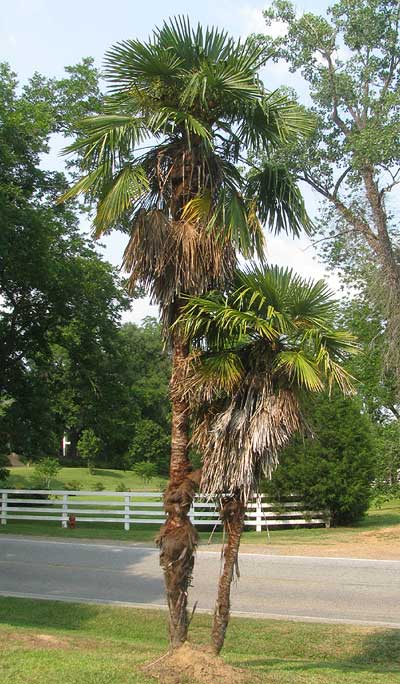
pixel 232 514
pixel 177 539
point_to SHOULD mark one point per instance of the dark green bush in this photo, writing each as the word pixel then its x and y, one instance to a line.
pixel 335 469
pixel 4 472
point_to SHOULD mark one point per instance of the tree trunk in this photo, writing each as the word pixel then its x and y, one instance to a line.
pixel 232 514
pixel 177 539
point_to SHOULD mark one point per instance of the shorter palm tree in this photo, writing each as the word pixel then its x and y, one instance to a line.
pixel 256 349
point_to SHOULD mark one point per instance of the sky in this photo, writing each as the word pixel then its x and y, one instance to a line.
pixel 46 35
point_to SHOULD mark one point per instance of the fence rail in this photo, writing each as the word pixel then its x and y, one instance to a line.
pixel 132 508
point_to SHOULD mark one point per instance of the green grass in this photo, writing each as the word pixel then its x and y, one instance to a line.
pixel 47 642
pixel 25 477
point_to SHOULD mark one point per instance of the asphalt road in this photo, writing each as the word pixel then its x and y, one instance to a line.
pixel 316 589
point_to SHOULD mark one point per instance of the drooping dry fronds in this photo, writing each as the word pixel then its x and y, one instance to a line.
pixel 242 442
pixel 170 258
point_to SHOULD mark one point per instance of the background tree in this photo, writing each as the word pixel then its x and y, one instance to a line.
pixel 89 447
pixel 365 313
pixel 150 443
pixel 187 207
pixel 145 470
pixel 350 60
pixel 333 468
pixel 45 471
pixel 271 337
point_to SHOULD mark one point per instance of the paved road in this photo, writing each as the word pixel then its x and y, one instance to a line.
pixel 316 589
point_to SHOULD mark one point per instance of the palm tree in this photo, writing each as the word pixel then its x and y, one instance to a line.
pixel 256 348
pixel 161 163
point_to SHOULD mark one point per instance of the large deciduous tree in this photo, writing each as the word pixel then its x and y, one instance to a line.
pixel 350 59
pixel 59 302
pixel 161 163
pixel 257 348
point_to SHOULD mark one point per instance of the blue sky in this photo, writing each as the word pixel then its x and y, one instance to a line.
pixel 46 35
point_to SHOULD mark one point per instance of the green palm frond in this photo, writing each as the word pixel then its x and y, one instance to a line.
pixel 204 317
pixel 91 184
pixel 108 139
pixel 278 199
pixel 132 62
pixel 130 183
pixel 299 370
pixel 218 373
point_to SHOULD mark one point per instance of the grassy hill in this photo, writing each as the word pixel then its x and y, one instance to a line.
pixel 24 477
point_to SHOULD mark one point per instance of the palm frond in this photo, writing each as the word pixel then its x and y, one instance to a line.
pixel 299 370
pixel 132 62
pixel 129 184
pixel 278 199
pixel 242 441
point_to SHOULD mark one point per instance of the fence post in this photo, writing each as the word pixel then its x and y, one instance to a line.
pixel 258 513
pixel 4 508
pixel 64 515
pixel 192 513
pixel 127 512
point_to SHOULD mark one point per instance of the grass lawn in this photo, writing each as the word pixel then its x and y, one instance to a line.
pixel 48 642
pixel 25 477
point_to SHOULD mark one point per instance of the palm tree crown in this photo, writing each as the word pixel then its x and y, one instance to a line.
pixel 256 347
pixel 194 98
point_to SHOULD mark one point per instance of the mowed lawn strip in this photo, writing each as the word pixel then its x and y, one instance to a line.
pixel 47 642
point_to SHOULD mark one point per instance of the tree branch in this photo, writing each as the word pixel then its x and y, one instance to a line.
pixel 340 180
pixel 335 114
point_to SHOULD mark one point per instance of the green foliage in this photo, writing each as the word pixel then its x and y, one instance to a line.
pixel 45 471
pixel 145 470
pixel 121 487
pixel 152 443
pixel 268 338
pixel 89 447
pixel 335 469
pixel 98 486
pixel 197 95
pixel 4 471
pixel 60 304
pixel 350 59
pixel 73 485
pixel 387 484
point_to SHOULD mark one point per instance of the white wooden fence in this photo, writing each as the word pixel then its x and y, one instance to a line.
pixel 132 508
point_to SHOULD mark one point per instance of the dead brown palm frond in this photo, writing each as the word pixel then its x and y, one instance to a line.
pixel 170 258
pixel 242 441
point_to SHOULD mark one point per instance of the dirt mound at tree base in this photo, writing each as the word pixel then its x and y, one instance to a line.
pixel 189 665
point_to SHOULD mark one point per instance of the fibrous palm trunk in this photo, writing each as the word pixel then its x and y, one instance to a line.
pixel 177 539
pixel 232 514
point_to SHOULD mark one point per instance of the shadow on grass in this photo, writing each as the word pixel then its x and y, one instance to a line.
pixel 144 629
pixel 374 520
pixel 378 653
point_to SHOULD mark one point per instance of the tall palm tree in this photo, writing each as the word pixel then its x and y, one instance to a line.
pixel 256 348
pixel 161 163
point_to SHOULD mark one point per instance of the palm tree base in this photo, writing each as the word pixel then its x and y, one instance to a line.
pixel 195 665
